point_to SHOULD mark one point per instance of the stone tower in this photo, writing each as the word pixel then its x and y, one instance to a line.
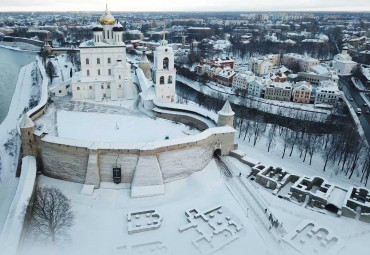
pixel 226 116
pixel 145 66
pixel 164 72
pixel 27 128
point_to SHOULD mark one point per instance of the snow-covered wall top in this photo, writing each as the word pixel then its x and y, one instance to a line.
pixel 197 110
pixel 139 146
pixel 44 89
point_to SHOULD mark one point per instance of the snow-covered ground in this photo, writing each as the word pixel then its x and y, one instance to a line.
pixel 9 135
pixel 101 127
pixel 101 220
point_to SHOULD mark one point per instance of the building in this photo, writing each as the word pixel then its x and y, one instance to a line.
pixel 343 63
pixel 260 66
pixel 105 74
pixel 305 63
pixel 241 80
pixel 317 74
pixel 257 86
pixel 164 72
pixel 274 59
pixel 205 65
pixel 279 91
pixel 302 92
pixel 327 93
pixel 277 77
pixel 226 76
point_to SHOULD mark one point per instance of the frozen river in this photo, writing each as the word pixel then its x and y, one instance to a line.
pixel 11 62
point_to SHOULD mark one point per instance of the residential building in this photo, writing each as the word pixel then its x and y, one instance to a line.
pixel 318 73
pixel 302 92
pixel 226 76
pixel 327 93
pixel 241 80
pixel 281 91
pixel 260 65
pixel 257 86
pixel 305 62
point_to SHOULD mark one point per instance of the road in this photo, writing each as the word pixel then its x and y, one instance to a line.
pixel 351 92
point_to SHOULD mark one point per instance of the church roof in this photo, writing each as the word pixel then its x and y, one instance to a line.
pixel 226 110
pixel 107 18
pixel 26 121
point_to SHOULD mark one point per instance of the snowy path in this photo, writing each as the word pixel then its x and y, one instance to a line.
pixel 248 200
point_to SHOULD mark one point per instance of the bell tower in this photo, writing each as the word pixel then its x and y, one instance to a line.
pixel 164 72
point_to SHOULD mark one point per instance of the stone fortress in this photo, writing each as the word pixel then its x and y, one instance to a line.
pixel 146 167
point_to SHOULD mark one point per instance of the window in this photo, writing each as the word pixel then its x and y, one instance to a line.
pixel 78 88
pixel 108 86
pixel 108 60
pixel 102 86
pixel 119 77
pixel 165 63
pixel 170 79
pixel 98 71
pixel 90 87
pixel 109 72
pixel 98 61
pixel 161 80
pixel 87 61
pixel 88 72
pixel 60 91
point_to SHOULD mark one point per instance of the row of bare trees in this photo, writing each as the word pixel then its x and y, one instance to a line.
pixel 344 150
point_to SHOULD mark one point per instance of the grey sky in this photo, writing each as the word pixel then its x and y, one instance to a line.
pixel 188 5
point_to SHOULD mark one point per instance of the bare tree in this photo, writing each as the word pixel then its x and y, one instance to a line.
pixel 271 137
pixel 51 215
pixel 50 70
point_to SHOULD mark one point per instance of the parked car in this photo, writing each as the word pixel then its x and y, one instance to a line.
pixel 358 111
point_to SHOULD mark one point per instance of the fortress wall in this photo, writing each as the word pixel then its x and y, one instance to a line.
pixel 177 164
pixel 107 160
pixel 68 159
pixel 187 120
pixel 64 162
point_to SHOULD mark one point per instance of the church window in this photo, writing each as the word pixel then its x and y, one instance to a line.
pixel 78 88
pixel 87 61
pixel 119 77
pixel 161 80
pixel 98 71
pixel 120 85
pixel 108 60
pixel 98 61
pixel 165 63
pixel 102 86
pixel 108 86
pixel 90 87
pixel 170 79
pixel 109 72
pixel 88 72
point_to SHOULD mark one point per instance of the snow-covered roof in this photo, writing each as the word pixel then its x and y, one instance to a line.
pixel 226 109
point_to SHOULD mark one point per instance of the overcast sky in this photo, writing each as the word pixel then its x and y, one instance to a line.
pixel 186 5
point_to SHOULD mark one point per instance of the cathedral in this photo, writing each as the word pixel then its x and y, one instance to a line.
pixel 105 74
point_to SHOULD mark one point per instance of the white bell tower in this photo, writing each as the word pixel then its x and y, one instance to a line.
pixel 164 72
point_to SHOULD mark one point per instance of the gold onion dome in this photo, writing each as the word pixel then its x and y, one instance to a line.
pixel 107 18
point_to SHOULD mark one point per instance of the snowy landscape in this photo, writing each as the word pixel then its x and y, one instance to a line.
pixel 185 133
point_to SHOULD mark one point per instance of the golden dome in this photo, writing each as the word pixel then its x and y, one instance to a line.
pixel 107 18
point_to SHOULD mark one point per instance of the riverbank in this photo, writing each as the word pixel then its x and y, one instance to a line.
pixel 19 46
pixel 10 140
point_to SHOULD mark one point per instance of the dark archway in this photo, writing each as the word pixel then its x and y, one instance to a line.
pixel 332 208
pixel 217 153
